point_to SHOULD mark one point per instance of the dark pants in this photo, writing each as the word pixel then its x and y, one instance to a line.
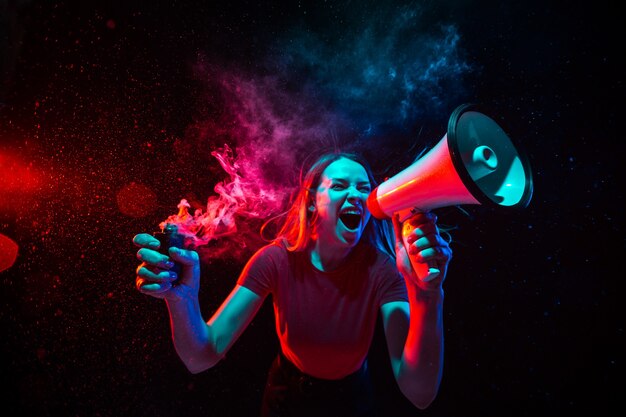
pixel 291 393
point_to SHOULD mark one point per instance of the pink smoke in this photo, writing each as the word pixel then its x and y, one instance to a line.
pixel 274 129
pixel 238 197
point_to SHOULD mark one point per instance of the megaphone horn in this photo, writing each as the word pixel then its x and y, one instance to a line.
pixel 474 163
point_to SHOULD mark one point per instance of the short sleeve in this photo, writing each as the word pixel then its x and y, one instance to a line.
pixel 391 285
pixel 260 273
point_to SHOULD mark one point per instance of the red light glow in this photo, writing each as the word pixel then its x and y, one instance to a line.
pixel 8 252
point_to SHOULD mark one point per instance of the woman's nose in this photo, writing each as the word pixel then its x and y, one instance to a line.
pixel 355 194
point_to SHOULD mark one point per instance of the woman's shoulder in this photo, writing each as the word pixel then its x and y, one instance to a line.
pixel 273 250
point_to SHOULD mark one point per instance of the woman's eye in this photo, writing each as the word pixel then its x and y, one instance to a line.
pixel 365 190
pixel 337 187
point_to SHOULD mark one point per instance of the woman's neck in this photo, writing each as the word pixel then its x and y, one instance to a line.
pixel 327 257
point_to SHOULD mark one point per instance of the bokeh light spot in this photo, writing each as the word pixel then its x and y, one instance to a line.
pixel 8 252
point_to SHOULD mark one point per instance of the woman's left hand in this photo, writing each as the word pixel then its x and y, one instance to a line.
pixel 422 243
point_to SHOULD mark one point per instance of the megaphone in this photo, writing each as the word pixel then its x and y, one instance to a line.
pixel 474 163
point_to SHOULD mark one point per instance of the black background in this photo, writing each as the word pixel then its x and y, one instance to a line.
pixel 534 322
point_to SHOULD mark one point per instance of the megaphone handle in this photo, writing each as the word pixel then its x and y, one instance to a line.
pixel 425 271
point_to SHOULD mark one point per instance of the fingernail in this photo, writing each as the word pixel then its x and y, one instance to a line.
pixel 169 264
pixel 173 274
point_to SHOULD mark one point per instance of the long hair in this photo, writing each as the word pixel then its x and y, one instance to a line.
pixel 295 232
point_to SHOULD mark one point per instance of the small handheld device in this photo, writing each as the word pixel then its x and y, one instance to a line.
pixel 169 237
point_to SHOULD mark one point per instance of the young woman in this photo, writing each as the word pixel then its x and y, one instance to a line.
pixel 330 271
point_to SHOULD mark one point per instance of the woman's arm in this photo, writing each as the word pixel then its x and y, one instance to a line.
pixel 414 330
pixel 414 333
pixel 199 344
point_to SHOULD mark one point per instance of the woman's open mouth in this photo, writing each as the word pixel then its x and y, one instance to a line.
pixel 351 220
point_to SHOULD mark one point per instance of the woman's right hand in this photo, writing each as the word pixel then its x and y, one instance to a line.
pixel 154 277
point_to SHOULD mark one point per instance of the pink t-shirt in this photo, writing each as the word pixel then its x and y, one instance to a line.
pixel 325 320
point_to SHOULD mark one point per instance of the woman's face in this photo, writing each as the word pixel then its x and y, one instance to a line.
pixel 340 203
